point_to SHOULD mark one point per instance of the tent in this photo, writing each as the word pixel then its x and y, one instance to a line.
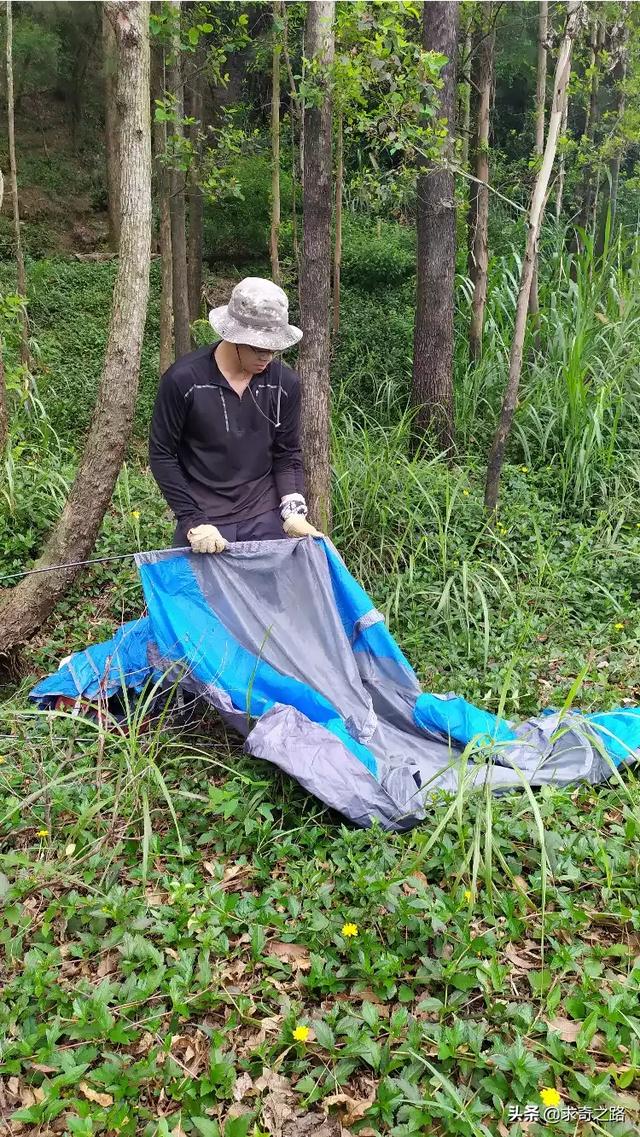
pixel 287 646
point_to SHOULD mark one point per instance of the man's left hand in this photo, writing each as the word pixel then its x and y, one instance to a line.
pixel 298 526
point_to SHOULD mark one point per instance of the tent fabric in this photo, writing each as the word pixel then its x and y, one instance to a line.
pixel 287 646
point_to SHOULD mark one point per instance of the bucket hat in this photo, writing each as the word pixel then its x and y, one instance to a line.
pixel 257 314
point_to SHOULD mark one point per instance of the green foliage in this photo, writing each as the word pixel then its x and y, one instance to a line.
pixel 36 52
pixel 237 229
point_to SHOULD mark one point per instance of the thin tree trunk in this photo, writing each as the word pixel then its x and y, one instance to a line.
pixel 196 201
pixel 112 157
pixel 164 226
pixel 536 211
pixel 538 149
pixel 26 607
pixel 591 122
pixel 465 130
pixel 562 163
pixel 275 150
pixel 295 113
pixel 315 272
pixel 608 216
pixel 180 278
pixel 432 389
pixel 337 246
pixel 482 83
pixel 13 179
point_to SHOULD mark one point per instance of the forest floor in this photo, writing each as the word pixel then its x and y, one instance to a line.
pixel 440 981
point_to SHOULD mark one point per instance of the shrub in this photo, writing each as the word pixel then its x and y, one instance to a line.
pixel 238 229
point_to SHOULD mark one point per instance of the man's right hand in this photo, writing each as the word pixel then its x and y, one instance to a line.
pixel 206 539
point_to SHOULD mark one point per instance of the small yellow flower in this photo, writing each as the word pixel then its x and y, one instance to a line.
pixel 301 1033
pixel 618 627
pixel 135 513
pixel 550 1096
pixel 42 833
pixel 465 493
pixel 350 929
pixel 468 895
pixel 2 760
pixel 524 469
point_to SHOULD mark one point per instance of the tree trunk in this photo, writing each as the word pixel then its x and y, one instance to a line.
pixel 482 82
pixel 275 150
pixel 608 216
pixel 112 157
pixel 180 278
pixel 465 100
pixel 315 271
pixel 538 148
pixel 561 165
pixel 4 413
pixel 296 152
pixel 13 179
pixel 196 201
pixel 164 226
pixel 73 537
pixel 432 390
pixel 591 122
pixel 337 246
pixel 534 222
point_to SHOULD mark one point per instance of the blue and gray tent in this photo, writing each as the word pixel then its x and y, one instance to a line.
pixel 289 649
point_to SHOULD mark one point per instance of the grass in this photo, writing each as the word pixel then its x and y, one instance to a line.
pixel 173 911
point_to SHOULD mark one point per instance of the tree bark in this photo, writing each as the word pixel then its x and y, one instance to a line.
pixel 72 539
pixel 13 179
pixel 315 271
pixel 587 208
pixel 562 163
pixel 196 201
pixel 608 217
pixel 296 151
pixel 180 278
pixel 482 82
pixel 337 241
pixel 465 129
pixel 432 389
pixel 275 150
pixel 112 157
pixel 538 148
pixel 164 226
pixel 534 222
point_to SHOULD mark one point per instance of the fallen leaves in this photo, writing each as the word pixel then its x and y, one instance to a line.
pixel 350 1109
pixel 296 955
pixel 94 1095
pixel 568 1029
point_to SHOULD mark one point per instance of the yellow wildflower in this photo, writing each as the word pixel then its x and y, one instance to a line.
pixel 135 513
pixel 301 1033
pixel 618 627
pixel 350 930
pixel 550 1096
pixel 42 833
pixel 2 760
pixel 465 493
pixel 468 895
pixel 524 469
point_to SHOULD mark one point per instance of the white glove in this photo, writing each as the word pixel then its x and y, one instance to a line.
pixel 298 526
pixel 206 539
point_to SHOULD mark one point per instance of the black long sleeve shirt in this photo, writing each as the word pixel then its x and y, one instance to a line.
pixel 218 456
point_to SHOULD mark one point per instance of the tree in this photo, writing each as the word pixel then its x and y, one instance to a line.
pixel 618 142
pixel 110 64
pixel 13 178
pixel 481 84
pixel 275 144
pixel 196 202
pixel 73 537
pixel 534 222
pixel 337 241
pixel 592 118
pixel 159 140
pixel 432 390
pixel 315 272
pixel 177 202
pixel 538 149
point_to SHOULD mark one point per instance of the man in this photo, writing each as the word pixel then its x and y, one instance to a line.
pixel 225 432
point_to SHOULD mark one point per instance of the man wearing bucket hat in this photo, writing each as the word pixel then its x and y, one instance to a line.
pixel 225 433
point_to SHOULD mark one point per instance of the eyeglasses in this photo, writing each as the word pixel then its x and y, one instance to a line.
pixel 259 350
